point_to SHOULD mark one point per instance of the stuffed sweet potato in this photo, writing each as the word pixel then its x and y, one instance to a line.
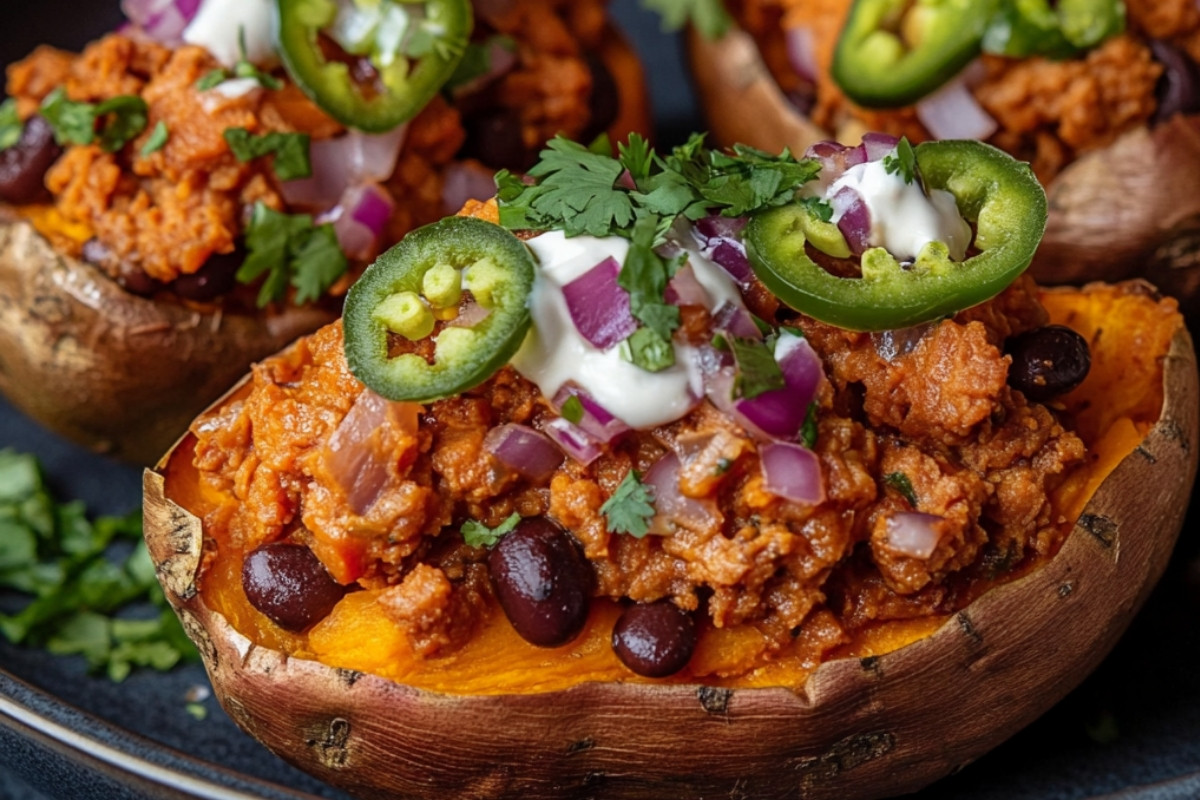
pixel 177 203
pixel 1109 123
pixel 869 542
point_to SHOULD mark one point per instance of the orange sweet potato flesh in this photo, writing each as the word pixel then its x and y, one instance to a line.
pixel 1114 409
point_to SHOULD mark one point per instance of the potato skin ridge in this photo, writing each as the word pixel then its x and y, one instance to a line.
pixel 1128 210
pixel 859 728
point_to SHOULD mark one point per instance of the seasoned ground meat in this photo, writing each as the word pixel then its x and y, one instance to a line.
pixel 381 490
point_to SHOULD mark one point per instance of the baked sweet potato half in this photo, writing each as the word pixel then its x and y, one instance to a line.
pixel 1111 132
pixel 888 709
pixel 142 273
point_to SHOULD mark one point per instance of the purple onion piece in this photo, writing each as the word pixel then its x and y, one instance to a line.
pixel 853 219
pixel 671 505
pixel 733 320
pixel 730 255
pixel 792 472
pixel 597 421
pixel 527 452
pixel 599 308
pixel 914 533
pixel 574 441
pixel 877 145
pixel 716 226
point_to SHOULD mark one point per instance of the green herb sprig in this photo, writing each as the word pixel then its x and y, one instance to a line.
pixel 631 507
pixel 476 534
pixel 76 594
pixel 291 150
pixel 291 250
pixel 112 123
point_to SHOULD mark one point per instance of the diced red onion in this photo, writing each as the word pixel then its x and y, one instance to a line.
pixel 355 455
pixel 716 226
pixel 349 160
pixel 597 421
pixel 599 308
pixel 626 180
pixel 801 52
pixel 463 181
pixel 470 315
pixel 853 218
pixel 835 158
pixel 709 360
pixel 877 145
pixel 161 20
pixel 672 506
pixel 527 452
pixel 952 112
pixel 685 290
pixel 730 255
pixel 792 472
pixel 360 219
pixel 779 413
pixel 721 241
pixel 734 320
pixel 574 441
pixel 914 533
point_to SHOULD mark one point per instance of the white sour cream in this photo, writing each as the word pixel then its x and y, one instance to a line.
pixel 220 26
pixel 903 218
pixel 555 353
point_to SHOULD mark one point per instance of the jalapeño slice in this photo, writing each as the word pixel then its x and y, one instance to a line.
pixel 373 64
pixel 994 191
pixel 426 273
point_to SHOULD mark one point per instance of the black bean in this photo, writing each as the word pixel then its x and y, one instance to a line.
pixel 215 278
pixel 543 582
pixel 654 639
pixel 1047 362
pixel 129 277
pixel 1178 88
pixel 494 137
pixel 23 166
pixel 288 584
pixel 604 103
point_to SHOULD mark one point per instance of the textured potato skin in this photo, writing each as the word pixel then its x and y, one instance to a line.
pixel 859 729
pixel 1128 210
pixel 118 373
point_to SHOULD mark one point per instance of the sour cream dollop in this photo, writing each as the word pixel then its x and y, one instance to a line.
pixel 220 26
pixel 556 353
pixel 903 218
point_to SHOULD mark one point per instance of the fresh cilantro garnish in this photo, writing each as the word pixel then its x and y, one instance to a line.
pixel 84 580
pixel 291 150
pixel 821 209
pixel 572 410
pixel 648 349
pixel 808 431
pixel 901 483
pixel 902 161
pixel 645 275
pixel 630 508
pixel 158 139
pixel 244 69
pixel 211 79
pixel 113 122
pixel 290 250
pixel 10 124
pixel 757 370
pixel 709 16
pixel 197 711
pixel 476 534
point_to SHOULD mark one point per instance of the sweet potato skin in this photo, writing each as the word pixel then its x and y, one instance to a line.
pixel 117 373
pixel 859 728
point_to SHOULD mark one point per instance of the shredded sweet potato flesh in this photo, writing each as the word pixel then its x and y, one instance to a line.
pixel 806 586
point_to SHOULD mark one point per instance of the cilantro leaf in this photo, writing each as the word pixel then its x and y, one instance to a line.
pixel 577 191
pixel 902 161
pixel 158 139
pixel 11 126
pixel 757 370
pixel 290 250
pixel 572 410
pixel 211 79
pixel 291 150
pixel 709 16
pixel 118 119
pixel 630 508
pixel 648 349
pixel 636 156
pixel 901 483
pixel 808 431
pixel 244 69
pixel 76 584
pixel 476 534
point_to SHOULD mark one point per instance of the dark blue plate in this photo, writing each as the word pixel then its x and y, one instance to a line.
pixel 1131 730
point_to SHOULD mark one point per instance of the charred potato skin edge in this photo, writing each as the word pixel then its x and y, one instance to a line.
pixel 858 729
pixel 1123 211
